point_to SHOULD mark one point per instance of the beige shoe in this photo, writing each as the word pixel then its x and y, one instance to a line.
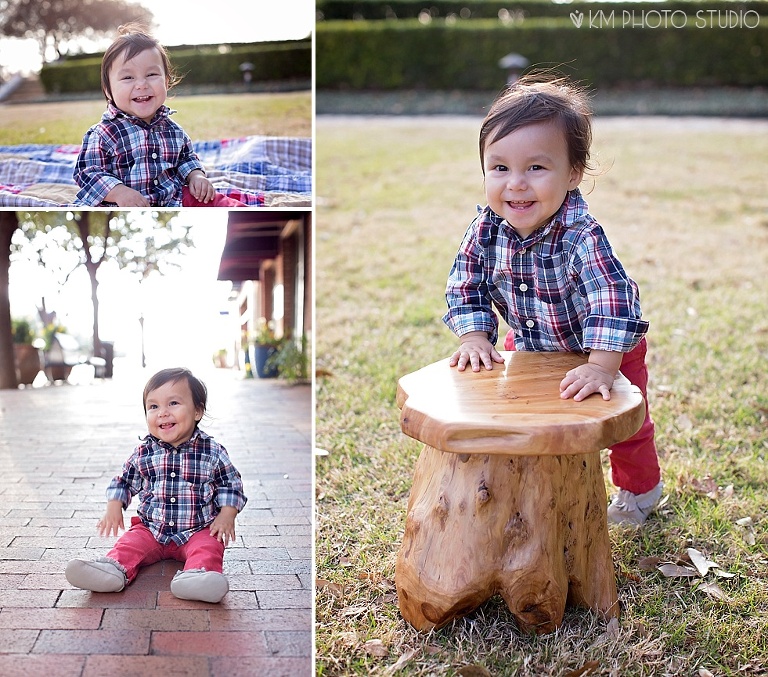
pixel 200 585
pixel 99 575
pixel 629 508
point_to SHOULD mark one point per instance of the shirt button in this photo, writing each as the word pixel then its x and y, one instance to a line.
pixel 173 474
pixel 530 324
pixel 173 500
pixel 171 523
pixel 156 182
pixel 523 251
pixel 523 287
pixel 154 156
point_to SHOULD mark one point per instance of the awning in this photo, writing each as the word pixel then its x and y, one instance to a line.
pixel 252 238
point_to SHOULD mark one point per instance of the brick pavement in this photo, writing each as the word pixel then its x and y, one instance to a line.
pixel 59 447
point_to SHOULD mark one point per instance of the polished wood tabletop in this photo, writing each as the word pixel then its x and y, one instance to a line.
pixel 515 408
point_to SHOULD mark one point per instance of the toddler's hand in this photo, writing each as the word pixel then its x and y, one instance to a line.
pixel 474 349
pixel 223 527
pixel 586 379
pixel 200 187
pixel 112 521
pixel 126 197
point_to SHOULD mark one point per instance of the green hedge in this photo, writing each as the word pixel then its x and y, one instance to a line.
pixel 339 10
pixel 384 55
pixel 198 66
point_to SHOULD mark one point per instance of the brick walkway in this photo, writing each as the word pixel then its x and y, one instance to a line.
pixel 59 447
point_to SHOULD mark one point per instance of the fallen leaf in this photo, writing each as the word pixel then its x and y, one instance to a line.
pixel 702 564
pixel 613 629
pixel 724 574
pixel 675 571
pixel 474 671
pixel 321 452
pixel 714 591
pixel 375 647
pixel 583 670
pixel 728 491
pixel 354 610
pixel 744 522
pixel 703 672
pixel 334 588
pixel 400 662
pixel 684 422
pixel 648 563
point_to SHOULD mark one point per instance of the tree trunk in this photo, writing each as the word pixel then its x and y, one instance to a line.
pixel 92 266
pixel 8 225
pixel 530 528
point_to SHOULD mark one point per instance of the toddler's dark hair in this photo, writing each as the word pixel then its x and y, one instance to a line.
pixel 536 98
pixel 133 39
pixel 196 386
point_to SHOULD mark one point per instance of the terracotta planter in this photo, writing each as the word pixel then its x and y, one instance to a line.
pixel 28 363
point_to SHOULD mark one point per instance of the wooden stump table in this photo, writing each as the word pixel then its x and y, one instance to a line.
pixel 508 495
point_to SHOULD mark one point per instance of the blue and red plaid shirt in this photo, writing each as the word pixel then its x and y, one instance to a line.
pixel 560 289
pixel 181 490
pixel 155 159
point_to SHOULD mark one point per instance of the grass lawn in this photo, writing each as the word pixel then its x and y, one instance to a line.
pixel 684 204
pixel 204 118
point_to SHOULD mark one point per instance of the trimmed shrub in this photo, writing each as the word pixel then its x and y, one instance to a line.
pixel 410 55
pixel 198 65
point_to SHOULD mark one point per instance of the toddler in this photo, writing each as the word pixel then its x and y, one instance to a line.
pixel 136 156
pixel 189 494
pixel 537 255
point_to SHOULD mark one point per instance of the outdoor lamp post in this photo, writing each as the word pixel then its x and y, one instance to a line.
pixel 514 64
pixel 247 71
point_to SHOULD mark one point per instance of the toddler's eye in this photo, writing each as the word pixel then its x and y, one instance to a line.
pixel 500 168
pixel 536 168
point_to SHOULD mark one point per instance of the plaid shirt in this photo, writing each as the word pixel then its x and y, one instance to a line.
pixel 559 289
pixel 180 490
pixel 155 159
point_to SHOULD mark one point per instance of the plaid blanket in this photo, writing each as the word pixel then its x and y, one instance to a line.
pixel 261 171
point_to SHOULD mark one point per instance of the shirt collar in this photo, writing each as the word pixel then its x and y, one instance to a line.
pixel 197 434
pixel 114 113
pixel 573 208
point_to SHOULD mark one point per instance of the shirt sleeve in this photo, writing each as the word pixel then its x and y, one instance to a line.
pixel 91 170
pixel 467 295
pixel 228 483
pixel 612 301
pixel 128 483
pixel 188 160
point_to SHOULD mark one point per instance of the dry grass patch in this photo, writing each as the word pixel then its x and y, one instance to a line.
pixel 685 206
pixel 204 118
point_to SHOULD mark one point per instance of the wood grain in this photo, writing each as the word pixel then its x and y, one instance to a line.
pixel 514 408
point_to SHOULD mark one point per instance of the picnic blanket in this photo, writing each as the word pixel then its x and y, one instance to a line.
pixel 262 171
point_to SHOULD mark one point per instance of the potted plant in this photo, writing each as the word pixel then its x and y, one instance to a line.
pixel 291 361
pixel 26 356
pixel 265 345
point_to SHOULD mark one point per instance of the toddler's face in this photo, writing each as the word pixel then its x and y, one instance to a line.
pixel 139 85
pixel 527 175
pixel 171 412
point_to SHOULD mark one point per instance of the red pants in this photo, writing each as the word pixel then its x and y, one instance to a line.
pixel 137 548
pixel 634 462
pixel 219 200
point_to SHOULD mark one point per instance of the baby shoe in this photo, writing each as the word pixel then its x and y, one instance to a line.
pixel 98 575
pixel 629 508
pixel 199 585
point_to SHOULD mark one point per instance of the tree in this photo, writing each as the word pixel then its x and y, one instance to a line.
pixel 8 225
pixel 55 22
pixel 139 241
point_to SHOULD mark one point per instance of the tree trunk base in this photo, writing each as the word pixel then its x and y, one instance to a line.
pixel 530 528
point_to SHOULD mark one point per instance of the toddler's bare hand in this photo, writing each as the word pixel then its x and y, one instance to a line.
pixel 475 349
pixel 223 529
pixel 584 380
pixel 127 197
pixel 201 188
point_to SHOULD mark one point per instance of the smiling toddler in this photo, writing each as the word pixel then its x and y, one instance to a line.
pixel 189 495
pixel 136 156
pixel 537 256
